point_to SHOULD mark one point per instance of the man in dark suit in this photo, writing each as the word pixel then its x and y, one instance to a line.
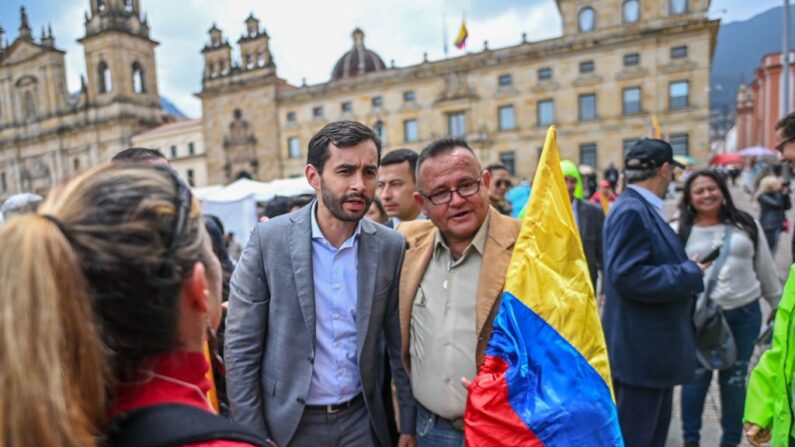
pixel 650 286
pixel 590 220
pixel 314 299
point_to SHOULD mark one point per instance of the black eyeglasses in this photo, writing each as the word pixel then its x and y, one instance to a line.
pixel 183 204
pixel 780 146
pixel 464 190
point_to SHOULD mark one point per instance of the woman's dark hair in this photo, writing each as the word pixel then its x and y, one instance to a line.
pixel 215 230
pixel 728 214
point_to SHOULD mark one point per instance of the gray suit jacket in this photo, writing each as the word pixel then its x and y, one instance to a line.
pixel 590 220
pixel 270 327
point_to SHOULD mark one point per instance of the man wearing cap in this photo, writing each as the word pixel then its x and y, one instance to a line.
pixel 650 287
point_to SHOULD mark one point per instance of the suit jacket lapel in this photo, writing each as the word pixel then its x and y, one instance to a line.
pixel 415 262
pixel 496 257
pixel 369 250
pixel 301 259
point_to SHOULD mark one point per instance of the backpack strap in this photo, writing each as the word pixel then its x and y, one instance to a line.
pixel 174 425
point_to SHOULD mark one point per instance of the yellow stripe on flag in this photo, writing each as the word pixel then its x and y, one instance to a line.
pixel 548 271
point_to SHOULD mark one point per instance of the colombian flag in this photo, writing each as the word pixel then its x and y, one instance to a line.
pixel 545 379
pixel 461 40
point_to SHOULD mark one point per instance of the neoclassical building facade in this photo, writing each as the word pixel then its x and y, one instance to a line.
pixel 48 134
pixel 617 65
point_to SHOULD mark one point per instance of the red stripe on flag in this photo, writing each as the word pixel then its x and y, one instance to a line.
pixel 495 422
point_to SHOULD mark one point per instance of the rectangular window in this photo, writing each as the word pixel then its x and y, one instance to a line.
pixel 507 118
pixel 505 80
pixel 377 101
pixel 678 93
pixel 679 52
pixel 293 147
pixel 290 117
pixel 3 181
pixel 588 154
pixel 457 124
pixel 631 59
pixel 191 148
pixel 508 159
pixel 317 111
pixel 588 107
pixel 544 73
pixel 173 151
pixel 409 96
pixel 680 144
pixel 191 177
pixel 586 67
pixel 75 164
pixel 631 98
pixel 546 112
pixel 346 106
pixel 411 131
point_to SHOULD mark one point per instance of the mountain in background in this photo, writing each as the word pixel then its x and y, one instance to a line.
pixel 170 108
pixel 740 48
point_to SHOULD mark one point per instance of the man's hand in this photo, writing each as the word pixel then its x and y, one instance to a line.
pixel 703 266
pixel 407 441
pixel 756 435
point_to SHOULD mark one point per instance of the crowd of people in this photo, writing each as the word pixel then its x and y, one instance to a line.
pixel 128 319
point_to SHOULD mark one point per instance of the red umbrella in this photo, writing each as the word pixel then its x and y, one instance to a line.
pixel 727 159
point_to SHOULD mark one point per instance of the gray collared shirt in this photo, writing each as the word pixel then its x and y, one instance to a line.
pixel 442 338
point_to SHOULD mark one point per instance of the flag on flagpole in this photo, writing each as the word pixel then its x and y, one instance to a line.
pixel 655 131
pixel 545 378
pixel 461 40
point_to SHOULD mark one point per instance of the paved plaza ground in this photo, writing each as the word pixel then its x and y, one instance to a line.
pixel 710 431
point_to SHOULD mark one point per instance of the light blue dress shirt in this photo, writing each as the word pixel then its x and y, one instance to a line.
pixel 335 376
pixel 655 201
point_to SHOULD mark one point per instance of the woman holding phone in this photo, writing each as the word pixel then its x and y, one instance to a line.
pixel 746 273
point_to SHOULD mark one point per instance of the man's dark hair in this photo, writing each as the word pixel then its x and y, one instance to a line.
pixel 341 134
pixel 496 167
pixel 439 147
pixel 138 154
pixel 398 156
pixel 788 124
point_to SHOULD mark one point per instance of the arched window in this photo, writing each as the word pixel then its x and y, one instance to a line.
pixel 261 58
pixel 101 6
pixel 29 106
pixel 676 7
pixel 586 19
pixel 249 62
pixel 103 77
pixel 630 11
pixel 138 78
pixel 128 6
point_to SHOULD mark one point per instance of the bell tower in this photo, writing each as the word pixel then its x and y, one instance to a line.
pixel 120 56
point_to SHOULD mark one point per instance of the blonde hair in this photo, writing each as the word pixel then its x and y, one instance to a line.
pixel 768 184
pixel 90 289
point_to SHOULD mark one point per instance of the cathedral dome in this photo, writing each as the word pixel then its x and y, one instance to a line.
pixel 359 60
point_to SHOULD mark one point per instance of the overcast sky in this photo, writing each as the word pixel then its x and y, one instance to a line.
pixel 307 37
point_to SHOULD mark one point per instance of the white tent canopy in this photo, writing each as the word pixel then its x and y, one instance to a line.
pixel 236 203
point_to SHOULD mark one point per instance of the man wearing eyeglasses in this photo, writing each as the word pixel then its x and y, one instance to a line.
pixel 500 184
pixel 451 282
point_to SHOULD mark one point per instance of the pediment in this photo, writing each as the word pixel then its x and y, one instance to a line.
pixel 20 51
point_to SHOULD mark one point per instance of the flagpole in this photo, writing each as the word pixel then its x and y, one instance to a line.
pixel 444 36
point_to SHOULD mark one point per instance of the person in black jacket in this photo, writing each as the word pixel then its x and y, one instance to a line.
pixel 774 201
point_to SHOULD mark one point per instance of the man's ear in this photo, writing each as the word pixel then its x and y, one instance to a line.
pixel 312 176
pixel 194 289
pixel 486 175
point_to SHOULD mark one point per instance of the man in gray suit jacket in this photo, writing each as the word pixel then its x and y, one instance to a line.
pixel 313 305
